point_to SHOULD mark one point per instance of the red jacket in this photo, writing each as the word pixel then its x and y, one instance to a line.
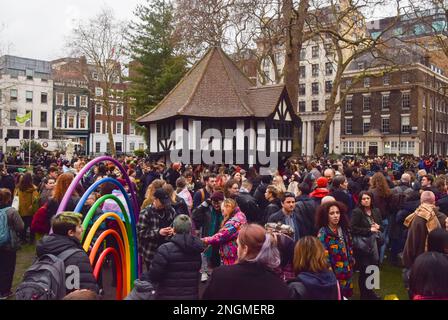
pixel 319 193
pixel 40 223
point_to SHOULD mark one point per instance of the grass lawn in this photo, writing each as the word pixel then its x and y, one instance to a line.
pixel 390 276
pixel 391 283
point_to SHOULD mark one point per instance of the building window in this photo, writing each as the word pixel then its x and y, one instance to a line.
pixel 303 54
pixel 405 100
pixel 360 147
pixel 349 104
pixel 328 49
pixel 141 146
pixel 348 83
pixel 315 87
pixel 328 68
pixel 43 97
pixel 302 72
pixel 385 102
pixel 119 146
pixel 71 121
pixel 132 146
pixel 386 79
pixel 360 65
pixel 13 134
pixel 385 125
pixel 328 86
pixel 72 100
pixel 58 120
pixel 97 147
pixel 43 134
pixel 98 127
pixel 348 126
pixel 12 117
pixel 59 99
pixel 119 127
pixel 43 118
pixel 367 82
pixel 98 92
pixel 83 122
pixel 315 105
pixel 405 77
pixel 83 101
pixel 302 89
pixel 365 125
pixel 98 109
pixel 302 106
pixel 29 96
pixel 131 129
pixel 26 134
pixel 366 103
pixel 13 95
pixel 327 104
pixel 411 147
pixel 315 51
pixel 95 76
pixel 119 111
pixel 29 74
pixel 315 70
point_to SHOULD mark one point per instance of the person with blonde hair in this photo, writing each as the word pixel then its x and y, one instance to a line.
pixel 226 237
pixel 314 280
pixel 279 183
pixel 149 196
pixel 253 274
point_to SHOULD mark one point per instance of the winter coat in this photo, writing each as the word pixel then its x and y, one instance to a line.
pixel 15 224
pixel 175 268
pixel 202 218
pixel 314 286
pixel 26 200
pixel 360 226
pixel 425 219
pixel 345 197
pixel 381 203
pixel 273 207
pixel 180 206
pixel 259 196
pixel 56 244
pixel 7 182
pixel 150 221
pixel 200 196
pixel 442 203
pixel 245 281
pixel 249 207
pixel 306 210
pixel 340 257
pixel 226 238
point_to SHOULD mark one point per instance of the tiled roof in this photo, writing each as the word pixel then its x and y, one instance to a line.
pixel 215 88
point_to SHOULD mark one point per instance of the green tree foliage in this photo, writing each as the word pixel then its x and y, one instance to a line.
pixel 156 67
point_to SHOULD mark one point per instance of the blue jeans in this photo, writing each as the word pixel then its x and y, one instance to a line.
pixel 386 227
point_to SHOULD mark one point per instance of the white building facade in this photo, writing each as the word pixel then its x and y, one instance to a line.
pixel 25 86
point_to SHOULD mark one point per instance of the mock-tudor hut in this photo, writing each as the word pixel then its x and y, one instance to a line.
pixel 215 94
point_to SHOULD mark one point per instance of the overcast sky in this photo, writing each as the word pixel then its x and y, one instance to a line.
pixel 37 28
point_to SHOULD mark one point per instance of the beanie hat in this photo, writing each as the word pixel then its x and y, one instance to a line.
pixel 322 182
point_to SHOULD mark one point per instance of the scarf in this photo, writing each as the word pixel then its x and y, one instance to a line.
pixel 427 212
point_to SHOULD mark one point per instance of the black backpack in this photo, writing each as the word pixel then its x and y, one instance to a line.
pixel 45 279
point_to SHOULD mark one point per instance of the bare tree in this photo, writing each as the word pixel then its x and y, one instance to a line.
pixel 101 40
pixel 344 23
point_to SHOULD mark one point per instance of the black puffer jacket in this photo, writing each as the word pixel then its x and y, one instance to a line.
pixel 273 207
pixel 56 244
pixel 175 268
pixel 249 207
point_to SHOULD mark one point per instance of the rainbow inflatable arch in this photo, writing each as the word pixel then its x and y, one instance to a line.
pixel 126 260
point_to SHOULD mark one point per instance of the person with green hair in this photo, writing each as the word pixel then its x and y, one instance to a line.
pixel 175 268
pixel 67 234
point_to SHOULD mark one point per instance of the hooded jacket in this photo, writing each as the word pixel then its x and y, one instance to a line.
pixel 56 244
pixel 318 194
pixel 314 286
pixel 175 268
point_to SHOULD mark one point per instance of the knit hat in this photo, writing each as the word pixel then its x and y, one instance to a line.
pixel 217 196
pixel 322 182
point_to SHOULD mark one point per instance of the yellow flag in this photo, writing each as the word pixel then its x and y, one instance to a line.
pixel 24 118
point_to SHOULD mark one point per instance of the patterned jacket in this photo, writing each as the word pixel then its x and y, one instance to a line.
pixel 340 257
pixel 226 238
pixel 150 221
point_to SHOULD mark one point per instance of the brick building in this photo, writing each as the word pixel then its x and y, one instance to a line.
pixel 403 111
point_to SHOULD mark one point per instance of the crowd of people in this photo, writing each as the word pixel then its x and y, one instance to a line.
pixel 300 232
